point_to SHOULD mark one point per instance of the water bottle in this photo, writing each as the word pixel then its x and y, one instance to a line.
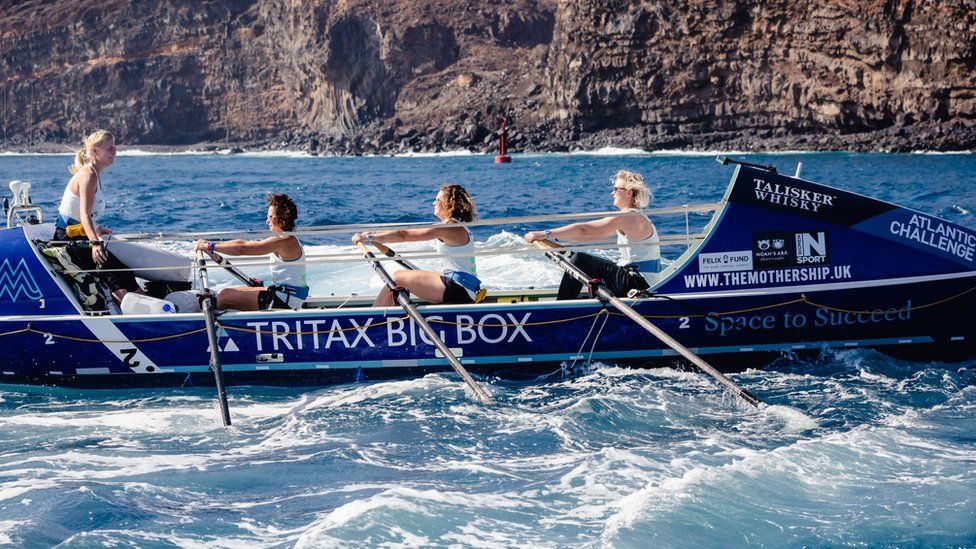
pixel 138 304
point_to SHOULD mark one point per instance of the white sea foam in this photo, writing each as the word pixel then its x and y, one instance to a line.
pixel 401 500
pixel 611 151
pixel 459 152
pixel 140 152
pixel 8 527
pixel 795 420
pixel 17 488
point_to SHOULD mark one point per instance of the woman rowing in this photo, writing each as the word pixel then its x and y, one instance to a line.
pixel 82 203
pixel 458 282
pixel 640 250
pixel 289 288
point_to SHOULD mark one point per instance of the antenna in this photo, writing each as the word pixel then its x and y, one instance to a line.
pixel 723 160
pixel 30 131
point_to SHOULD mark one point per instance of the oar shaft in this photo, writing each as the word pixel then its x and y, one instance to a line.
pixel 404 300
pixel 630 313
pixel 211 323
pixel 388 252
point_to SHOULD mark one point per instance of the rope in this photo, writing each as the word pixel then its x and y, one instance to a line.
pixel 31 329
pixel 923 306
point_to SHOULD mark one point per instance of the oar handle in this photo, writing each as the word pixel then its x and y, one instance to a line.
pixel 607 297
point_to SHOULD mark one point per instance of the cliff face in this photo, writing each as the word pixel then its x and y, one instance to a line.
pixel 381 75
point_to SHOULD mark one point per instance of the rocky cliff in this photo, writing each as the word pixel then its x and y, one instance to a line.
pixel 349 76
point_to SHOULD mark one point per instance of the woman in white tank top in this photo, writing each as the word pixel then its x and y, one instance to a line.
pixel 81 205
pixel 636 236
pixel 458 282
pixel 288 288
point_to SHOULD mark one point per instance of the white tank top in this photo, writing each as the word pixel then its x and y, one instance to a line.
pixel 457 258
pixel 648 249
pixel 71 203
pixel 291 271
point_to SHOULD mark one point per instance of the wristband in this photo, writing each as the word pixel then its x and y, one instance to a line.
pixel 548 233
pixel 369 237
pixel 211 246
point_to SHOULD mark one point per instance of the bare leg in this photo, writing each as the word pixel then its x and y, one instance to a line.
pixel 384 298
pixel 241 299
pixel 426 285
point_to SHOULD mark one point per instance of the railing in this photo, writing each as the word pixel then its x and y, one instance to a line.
pixel 687 239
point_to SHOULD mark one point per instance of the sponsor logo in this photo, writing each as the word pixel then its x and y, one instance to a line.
pixel 791 197
pixel 811 248
pixel 933 233
pixel 770 277
pixel 350 333
pixel 18 281
pixel 771 251
pixel 725 261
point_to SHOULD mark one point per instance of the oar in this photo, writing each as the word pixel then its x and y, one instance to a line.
pixel 404 300
pixel 220 260
pixel 211 322
pixel 606 296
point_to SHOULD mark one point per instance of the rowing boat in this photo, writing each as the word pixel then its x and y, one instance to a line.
pixel 784 266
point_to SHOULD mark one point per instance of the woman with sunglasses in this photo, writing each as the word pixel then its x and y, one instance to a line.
pixel 640 249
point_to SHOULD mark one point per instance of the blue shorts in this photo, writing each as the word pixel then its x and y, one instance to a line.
pixel 460 287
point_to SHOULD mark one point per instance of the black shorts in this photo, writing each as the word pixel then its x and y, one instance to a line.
pixel 454 293
pixel 80 253
pixel 275 297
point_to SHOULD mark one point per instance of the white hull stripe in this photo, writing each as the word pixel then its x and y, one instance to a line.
pixel 120 346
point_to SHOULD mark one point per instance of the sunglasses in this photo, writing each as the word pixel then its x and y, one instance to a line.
pixel 620 189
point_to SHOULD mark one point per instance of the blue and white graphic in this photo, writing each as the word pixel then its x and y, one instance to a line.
pixel 17 282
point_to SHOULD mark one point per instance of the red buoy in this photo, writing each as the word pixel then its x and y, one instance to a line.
pixel 502 157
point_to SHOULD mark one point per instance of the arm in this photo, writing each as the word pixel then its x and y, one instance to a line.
pixel 246 247
pixel 87 186
pixel 451 234
pixel 598 229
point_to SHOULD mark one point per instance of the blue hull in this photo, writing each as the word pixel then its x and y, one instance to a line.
pixel 513 340
pixel 787 266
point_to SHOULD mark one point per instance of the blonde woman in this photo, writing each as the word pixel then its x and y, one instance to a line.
pixel 82 203
pixel 458 282
pixel 637 238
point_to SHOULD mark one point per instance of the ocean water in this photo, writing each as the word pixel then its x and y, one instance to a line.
pixel 861 449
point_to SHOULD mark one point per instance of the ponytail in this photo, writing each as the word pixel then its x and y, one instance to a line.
pixel 83 155
pixel 81 158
